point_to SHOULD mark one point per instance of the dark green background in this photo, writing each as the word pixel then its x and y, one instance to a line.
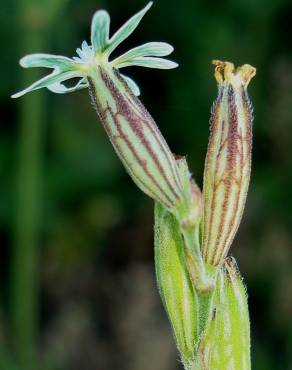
pixel 76 276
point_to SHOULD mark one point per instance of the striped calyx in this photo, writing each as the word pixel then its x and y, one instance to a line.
pixel 228 160
pixel 135 137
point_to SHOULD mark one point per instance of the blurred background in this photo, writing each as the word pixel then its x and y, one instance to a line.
pixel 77 284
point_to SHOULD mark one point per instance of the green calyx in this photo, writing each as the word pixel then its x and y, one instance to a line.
pixel 174 284
pixel 98 53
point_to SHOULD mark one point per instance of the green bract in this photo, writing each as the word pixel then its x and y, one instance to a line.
pixel 98 53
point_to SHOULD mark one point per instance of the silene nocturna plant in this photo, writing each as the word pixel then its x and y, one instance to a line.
pixel 200 286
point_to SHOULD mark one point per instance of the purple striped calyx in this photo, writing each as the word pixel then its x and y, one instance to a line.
pixel 228 160
pixel 135 137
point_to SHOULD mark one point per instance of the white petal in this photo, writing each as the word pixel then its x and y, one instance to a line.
pixel 149 62
pixel 46 81
pixel 100 30
pixel 151 49
pixel 46 60
pixel 60 88
pixel 79 52
pixel 126 29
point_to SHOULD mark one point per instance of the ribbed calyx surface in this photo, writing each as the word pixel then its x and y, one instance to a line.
pixel 228 160
pixel 135 137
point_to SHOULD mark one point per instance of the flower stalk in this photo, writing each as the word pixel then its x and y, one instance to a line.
pixel 189 214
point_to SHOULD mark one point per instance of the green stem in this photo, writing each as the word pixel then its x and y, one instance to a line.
pixel 25 254
pixel 24 298
pixel 37 17
pixel 204 311
pixel 201 281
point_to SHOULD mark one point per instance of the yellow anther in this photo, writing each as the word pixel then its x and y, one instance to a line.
pixel 226 73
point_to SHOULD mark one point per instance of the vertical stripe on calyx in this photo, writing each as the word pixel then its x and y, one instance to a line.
pixel 135 137
pixel 228 160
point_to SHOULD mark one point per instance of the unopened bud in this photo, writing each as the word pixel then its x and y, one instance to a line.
pixel 228 161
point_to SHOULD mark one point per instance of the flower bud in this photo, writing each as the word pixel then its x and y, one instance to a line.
pixel 228 160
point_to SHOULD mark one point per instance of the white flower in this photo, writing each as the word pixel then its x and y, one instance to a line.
pixel 98 53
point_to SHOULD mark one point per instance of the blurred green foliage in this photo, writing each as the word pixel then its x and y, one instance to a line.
pixel 77 281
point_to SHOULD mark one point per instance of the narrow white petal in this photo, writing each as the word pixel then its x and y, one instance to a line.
pixel 46 60
pixel 79 52
pixel 47 81
pixel 149 62
pixel 100 30
pixel 126 30
pixel 60 88
pixel 151 49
